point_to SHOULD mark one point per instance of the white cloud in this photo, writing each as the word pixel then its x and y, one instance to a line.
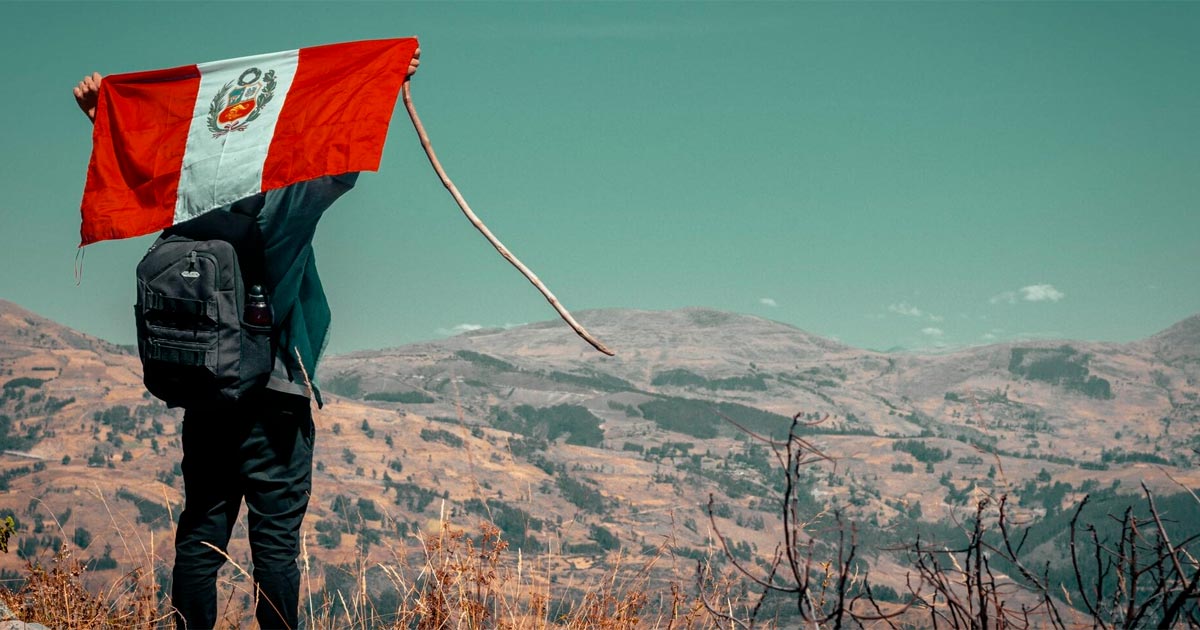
pixel 768 302
pixel 1031 293
pixel 458 329
pixel 904 308
pixel 908 310
pixel 1041 293
pixel 1048 334
pixel 932 331
pixel 1008 297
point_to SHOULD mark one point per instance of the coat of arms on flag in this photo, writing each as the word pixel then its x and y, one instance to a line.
pixel 236 106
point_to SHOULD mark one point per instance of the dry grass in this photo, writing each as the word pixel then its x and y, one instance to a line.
pixel 462 580
pixel 54 595
pixel 473 581
pixel 469 579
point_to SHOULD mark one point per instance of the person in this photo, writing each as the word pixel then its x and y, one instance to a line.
pixel 261 449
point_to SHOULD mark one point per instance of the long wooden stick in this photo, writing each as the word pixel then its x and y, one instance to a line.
pixel 462 203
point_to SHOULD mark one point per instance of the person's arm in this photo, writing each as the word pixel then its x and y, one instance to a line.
pixel 88 92
pixel 289 215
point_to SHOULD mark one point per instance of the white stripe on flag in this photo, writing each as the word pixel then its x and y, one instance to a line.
pixel 224 158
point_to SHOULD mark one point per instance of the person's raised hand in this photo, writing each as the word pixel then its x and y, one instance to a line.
pixel 87 93
pixel 412 64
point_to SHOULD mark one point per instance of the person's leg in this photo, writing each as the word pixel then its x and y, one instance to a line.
pixel 212 497
pixel 277 471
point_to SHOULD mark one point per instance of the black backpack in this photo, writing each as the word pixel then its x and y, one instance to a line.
pixel 195 347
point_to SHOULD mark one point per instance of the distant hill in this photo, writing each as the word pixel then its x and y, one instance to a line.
pixel 1070 388
pixel 584 454
pixel 1178 345
pixel 23 328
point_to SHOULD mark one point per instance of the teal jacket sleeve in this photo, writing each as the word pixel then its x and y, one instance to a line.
pixel 288 220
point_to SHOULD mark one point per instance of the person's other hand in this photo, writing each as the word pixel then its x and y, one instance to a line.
pixel 412 65
pixel 88 92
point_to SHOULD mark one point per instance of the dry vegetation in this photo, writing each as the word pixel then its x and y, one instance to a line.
pixel 1141 577
pixel 467 580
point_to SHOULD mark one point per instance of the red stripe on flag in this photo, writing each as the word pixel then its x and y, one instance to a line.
pixel 138 141
pixel 335 117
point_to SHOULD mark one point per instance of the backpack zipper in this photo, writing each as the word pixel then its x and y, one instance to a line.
pixel 191 272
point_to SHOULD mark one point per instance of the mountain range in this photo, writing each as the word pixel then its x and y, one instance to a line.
pixel 585 458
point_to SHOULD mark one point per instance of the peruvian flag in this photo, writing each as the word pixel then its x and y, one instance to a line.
pixel 170 145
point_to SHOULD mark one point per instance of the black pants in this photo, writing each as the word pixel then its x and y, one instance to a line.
pixel 260 450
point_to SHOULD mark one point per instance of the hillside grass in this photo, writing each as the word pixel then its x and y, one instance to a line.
pixel 463 579
pixel 467 576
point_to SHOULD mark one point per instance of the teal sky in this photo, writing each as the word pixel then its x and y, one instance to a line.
pixel 894 174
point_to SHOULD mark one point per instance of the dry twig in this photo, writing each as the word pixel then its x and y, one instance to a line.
pixel 475 221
